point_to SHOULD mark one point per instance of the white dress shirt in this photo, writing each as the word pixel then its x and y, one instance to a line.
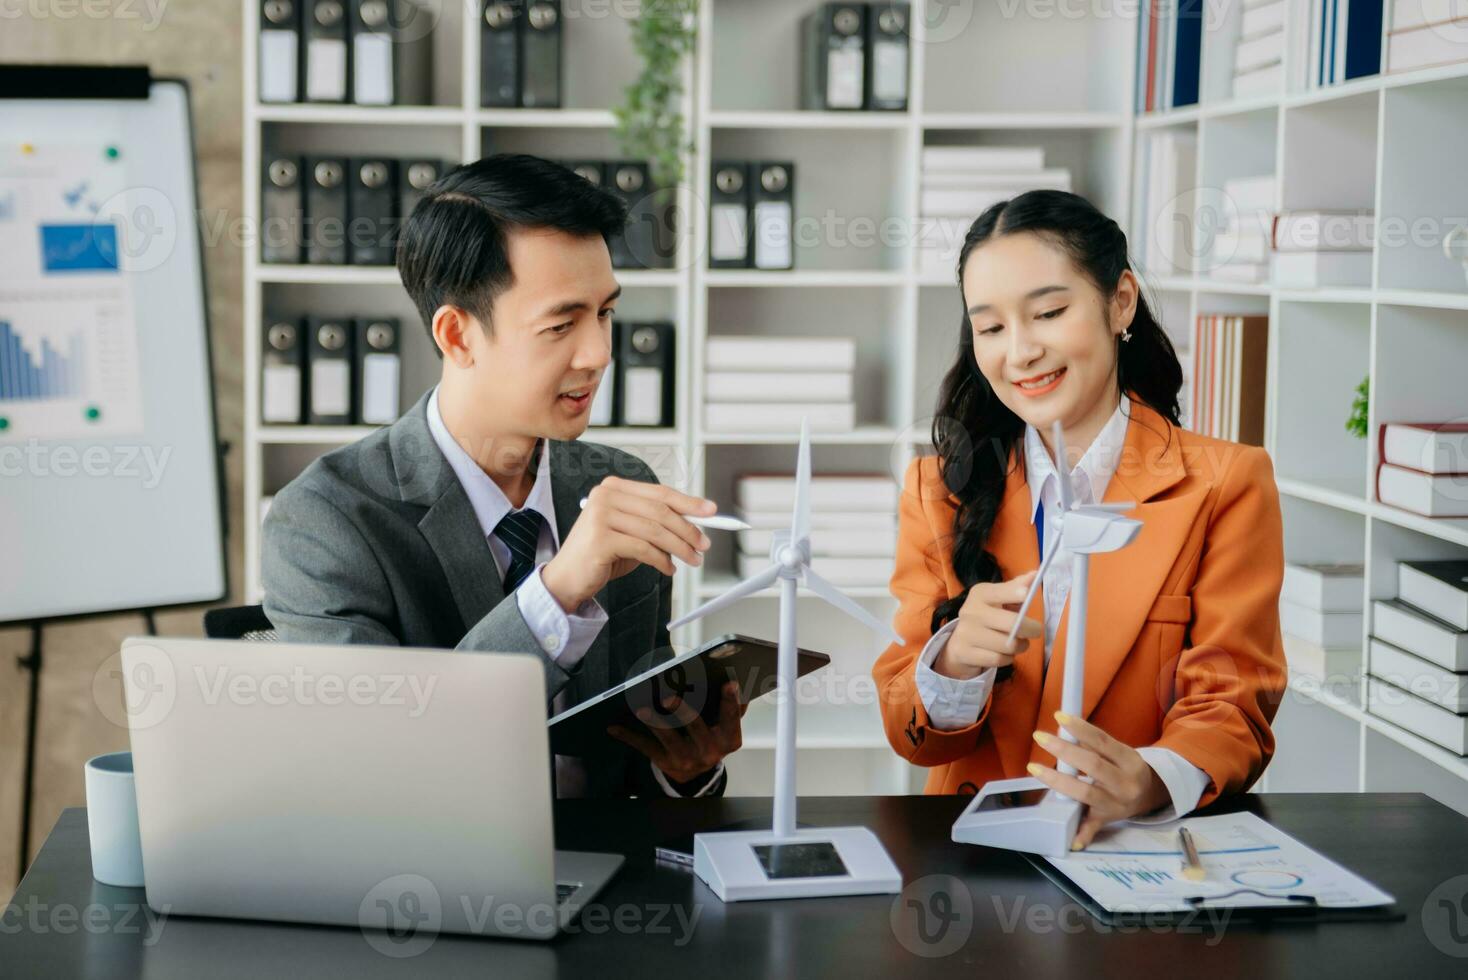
pixel 565 637
pixel 952 703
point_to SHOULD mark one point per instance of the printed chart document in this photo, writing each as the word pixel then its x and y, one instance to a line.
pixel 1249 864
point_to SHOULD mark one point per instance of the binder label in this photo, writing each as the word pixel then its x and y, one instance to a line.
pixel 843 78
pixel 326 70
pixel 372 74
pixel 379 388
pixel 642 402
pixel 331 387
pixel 281 393
pixel 277 66
pixel 729 236
pixel 772 235
pixel 889 72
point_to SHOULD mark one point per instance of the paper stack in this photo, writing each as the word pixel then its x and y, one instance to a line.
pixel 768 384
pixel 1241 248
pixel 961 182
pixel 853 520
pixel 1418 665
pixel 1320 604
pixel 1323 248
pixel 1259 52
pixel 1426 33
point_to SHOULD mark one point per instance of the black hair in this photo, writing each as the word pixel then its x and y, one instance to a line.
pixel 975 434
pixel 453 250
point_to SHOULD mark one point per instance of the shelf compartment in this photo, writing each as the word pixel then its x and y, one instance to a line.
pixel 1313 394
pixel 872 321
pixel 1423 193
pixel 994 57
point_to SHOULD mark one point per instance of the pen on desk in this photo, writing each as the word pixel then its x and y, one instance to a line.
pixel 1192 866
pixel 718 522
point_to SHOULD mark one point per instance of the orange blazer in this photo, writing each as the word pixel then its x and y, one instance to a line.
pixel 1183 648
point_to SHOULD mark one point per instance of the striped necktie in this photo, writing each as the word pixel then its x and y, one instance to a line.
pixel 520 531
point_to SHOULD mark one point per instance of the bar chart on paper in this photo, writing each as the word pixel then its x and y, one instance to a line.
pixel 1248 864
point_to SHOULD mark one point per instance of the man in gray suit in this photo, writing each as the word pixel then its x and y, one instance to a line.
pixel 460 526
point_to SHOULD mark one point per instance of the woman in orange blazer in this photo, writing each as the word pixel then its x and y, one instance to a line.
pixel 1184 662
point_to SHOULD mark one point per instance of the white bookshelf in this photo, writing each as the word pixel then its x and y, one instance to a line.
pixel 1375 143
pixel 979 78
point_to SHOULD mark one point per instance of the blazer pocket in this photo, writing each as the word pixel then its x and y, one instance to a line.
pixel 1168 619
pixel 1172 609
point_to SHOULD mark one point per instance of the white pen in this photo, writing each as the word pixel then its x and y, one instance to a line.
pixel 717 523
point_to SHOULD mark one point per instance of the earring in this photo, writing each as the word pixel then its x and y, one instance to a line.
pixel 1126 334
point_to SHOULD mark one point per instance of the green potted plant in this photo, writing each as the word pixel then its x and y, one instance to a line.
pixel 650 123
pixel 1356 424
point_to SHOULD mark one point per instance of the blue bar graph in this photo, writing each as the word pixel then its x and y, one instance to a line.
pixel 57 375
pixel 1124 876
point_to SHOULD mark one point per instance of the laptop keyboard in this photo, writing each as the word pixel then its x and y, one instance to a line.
pixel 565 889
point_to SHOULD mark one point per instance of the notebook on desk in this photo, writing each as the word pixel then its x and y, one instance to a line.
pixel 1253 869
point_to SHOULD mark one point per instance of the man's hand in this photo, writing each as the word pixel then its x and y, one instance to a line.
pixel 1122 784
pixel 625 523
pixel 693 747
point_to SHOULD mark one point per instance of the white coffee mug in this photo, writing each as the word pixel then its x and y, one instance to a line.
pixel 112 820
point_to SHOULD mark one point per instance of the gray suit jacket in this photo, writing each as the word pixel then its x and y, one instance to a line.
pixel 377 543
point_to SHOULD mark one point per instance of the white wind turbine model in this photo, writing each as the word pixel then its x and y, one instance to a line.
pixel 784 862
pixel 1036 818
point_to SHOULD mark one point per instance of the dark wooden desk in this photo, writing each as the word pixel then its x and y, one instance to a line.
pixel 62 924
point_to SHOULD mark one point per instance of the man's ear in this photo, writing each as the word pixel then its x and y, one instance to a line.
pixel 451 328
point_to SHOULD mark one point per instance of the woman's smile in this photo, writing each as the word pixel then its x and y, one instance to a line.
pixel 1040 384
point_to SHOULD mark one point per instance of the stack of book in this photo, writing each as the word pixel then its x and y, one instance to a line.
pixel 1230 361
pixel 853 525
pixel 1323 248
pixel 1424 467
pixel 1259 51
pixel 768 384
pixel 1169 53
pixel 1418 664
pixel 1241 248
pixel 1320 605
pixel 961 182
pixel 1426 33
pixel 1336 40
pixel 1164 172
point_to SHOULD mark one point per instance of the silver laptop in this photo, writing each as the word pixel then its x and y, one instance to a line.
pixel 379 787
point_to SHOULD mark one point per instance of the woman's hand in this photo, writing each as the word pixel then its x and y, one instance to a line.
pixel 1122 784
pixel 979 641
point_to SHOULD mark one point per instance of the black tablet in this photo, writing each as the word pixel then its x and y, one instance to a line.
pixel 696 677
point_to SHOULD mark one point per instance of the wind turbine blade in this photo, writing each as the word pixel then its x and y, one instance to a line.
pixel 850 606
pixel 751 585
pixel 1024 607
pixel 1062 467
pixel 800 521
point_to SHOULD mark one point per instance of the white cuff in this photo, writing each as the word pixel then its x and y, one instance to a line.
pixel 562 637
pixel 703 791
pixel 1185 784
pixel 951 703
